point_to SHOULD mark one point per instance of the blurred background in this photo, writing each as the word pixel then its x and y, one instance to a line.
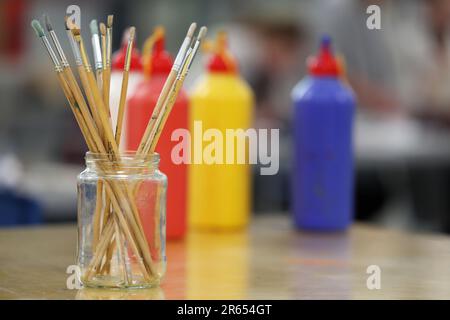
pixel 400 74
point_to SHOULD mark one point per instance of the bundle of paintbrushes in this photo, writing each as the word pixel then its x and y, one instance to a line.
pixel 122 239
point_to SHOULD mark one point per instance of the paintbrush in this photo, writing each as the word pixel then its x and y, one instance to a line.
pixel 98 104
pixel 110 143
pixel 68 91
pixel 167 108
pixel 73 85
pixel 105 91
pixel 98 60
pixel 64 84
pixel 124 89
pixel 167 86
pixel 73 44
pixel 73 28
pixel 106 69
pixel 107 72
pixel 168 104
pixel 109 30
pixel 41 34
pixel 55 40
pixel 81 112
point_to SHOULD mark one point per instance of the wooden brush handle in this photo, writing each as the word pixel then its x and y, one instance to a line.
pixel 156 111
pixel 121 111
pixel 164 114
pixel 75 109
pixel 90 97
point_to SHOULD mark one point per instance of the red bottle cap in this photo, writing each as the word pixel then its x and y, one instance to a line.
pixel 118 59
pixel 222 60
pixel 324 64
pixel 160 61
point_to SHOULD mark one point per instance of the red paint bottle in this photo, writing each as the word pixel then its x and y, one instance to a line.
pixel 140 108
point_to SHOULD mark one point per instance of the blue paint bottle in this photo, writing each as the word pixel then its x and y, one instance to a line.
pixel 324 109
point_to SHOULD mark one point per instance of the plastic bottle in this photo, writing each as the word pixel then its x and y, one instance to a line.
pixel 324 109
pixel 135 76
pixel 139 111
pixel 219 194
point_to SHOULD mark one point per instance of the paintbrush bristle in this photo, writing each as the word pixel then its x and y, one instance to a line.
pixel 38 28
pixel 191 30
pixel 73 27
pixel 70 25
pixel 110 21
pixel 194 40
pixel 66 19
pixel 132 33
pixel 94 27
pixel 76 32
pixel 102 29
pixel 202 33
pixel 48 24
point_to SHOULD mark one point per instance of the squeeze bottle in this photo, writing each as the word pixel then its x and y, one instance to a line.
pixel 219 188
pixel 324 107
pixel 157 65
pixel 135 76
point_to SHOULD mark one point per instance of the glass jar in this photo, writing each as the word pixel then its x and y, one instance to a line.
pixel 121 221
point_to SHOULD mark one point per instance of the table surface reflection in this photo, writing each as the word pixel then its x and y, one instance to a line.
pixel 269 261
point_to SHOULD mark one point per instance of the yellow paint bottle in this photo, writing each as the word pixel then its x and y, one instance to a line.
pixel 219 193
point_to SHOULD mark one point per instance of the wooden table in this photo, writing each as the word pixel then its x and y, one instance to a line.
pixel 270 261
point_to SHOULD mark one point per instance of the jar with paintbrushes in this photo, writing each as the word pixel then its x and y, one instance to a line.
pixel 121 197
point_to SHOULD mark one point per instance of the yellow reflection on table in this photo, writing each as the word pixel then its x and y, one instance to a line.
pixel 217 265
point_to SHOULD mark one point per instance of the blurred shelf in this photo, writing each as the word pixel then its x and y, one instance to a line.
pixel 55 186
pixel 270 261
pixel 393 141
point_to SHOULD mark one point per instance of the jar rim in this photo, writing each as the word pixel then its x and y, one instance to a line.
pixel 129 157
